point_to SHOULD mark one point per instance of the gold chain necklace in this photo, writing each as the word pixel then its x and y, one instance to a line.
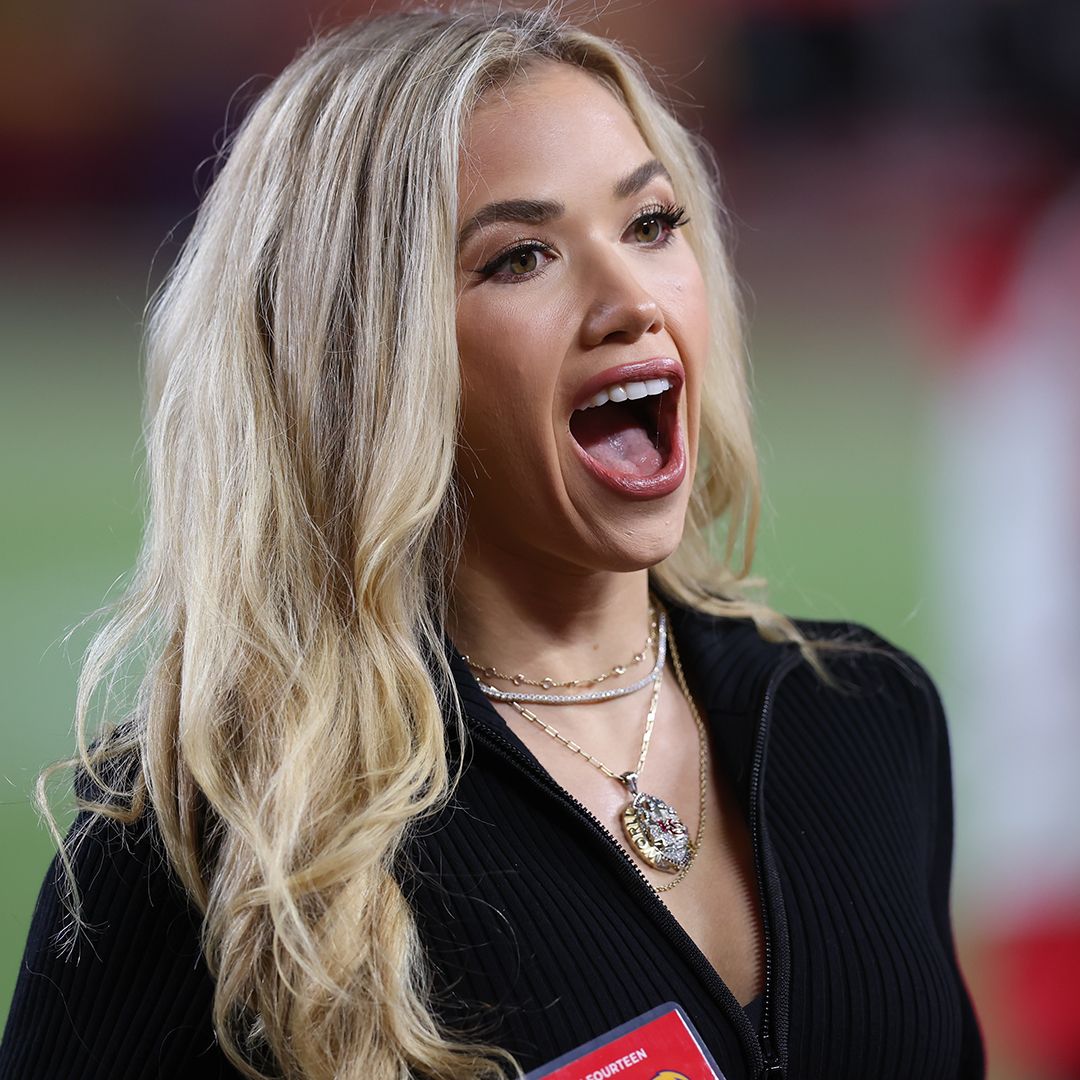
pixel 656 832
pixel 548 683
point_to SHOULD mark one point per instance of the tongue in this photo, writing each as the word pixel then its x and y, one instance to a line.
pixel 614 436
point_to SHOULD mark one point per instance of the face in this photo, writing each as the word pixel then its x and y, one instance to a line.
pixel 582 328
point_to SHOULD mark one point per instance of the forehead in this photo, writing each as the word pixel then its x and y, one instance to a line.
pixel 553 128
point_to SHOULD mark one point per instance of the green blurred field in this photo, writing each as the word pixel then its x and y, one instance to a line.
pixel 843 536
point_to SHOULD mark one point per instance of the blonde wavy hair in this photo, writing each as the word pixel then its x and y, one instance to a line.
pixel 286 612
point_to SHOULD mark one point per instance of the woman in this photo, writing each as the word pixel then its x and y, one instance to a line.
pixel 445 398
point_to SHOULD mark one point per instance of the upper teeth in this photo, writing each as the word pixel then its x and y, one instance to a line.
pixel 630 391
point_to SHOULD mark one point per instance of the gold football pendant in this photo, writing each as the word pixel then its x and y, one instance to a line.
pixel 655 830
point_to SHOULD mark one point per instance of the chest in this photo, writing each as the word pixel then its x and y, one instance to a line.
pixel 717 902
pixel 536 922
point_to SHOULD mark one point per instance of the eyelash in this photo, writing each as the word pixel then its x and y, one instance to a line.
pixel 670 214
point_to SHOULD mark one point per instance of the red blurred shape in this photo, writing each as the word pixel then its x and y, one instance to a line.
pixel 1037 971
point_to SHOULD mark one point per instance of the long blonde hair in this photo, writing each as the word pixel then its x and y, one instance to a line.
pixel 301 416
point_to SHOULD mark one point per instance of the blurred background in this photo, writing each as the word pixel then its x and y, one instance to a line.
pixel 903 179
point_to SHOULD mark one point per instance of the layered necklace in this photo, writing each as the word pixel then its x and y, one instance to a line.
pixel 655 831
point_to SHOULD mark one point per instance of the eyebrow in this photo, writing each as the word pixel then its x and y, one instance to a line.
pixel 540 211
pixel 637 178
pixel 529 211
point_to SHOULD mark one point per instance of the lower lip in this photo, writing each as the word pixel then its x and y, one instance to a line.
pixel 664 482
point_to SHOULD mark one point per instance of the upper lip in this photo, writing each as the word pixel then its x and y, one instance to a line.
pixel 657 367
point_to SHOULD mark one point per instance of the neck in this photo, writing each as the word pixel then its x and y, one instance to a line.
pixel 510 613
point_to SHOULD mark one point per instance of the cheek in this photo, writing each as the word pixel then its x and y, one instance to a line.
pixel 688 317
pixel 689 310
pixel 479 340
pixel 507 375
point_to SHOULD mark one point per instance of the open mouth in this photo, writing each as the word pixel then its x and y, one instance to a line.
pixel 626 430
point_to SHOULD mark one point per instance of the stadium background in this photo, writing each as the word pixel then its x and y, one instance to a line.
pixel 902 179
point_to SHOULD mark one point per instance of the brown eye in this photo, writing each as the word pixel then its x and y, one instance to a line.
pixel 655 226
pixel 648 229
pixel 522 262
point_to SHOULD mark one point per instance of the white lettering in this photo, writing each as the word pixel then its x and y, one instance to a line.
pixel 617 1066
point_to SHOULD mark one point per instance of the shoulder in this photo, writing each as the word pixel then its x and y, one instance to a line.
pixel 747 657
pixel 861 658
pixel 878 685
pixel 124 987
pixel 121 878
pixel 110 887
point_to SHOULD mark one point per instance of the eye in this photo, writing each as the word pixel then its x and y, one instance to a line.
pixel 651 226
pixel 519 263
pixel 655 226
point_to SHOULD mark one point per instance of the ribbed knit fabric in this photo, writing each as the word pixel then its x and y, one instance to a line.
pixel 543 935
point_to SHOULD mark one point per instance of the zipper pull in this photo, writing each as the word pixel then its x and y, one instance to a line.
pixel 772 1069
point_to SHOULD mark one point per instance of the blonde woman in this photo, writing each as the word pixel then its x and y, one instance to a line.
pixel 458 744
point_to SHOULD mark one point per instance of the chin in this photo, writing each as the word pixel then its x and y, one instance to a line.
pixel 634 547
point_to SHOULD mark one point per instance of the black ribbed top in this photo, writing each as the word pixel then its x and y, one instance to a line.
pixel 541 932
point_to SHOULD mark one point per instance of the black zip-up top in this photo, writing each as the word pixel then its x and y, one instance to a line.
pixel 543 934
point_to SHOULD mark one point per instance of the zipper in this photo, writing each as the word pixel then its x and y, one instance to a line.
pixel 774 1062
pixel 768 1062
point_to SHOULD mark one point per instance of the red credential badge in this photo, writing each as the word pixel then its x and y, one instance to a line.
pixel 661 1044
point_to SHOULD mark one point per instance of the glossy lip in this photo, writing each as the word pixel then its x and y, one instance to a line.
pixel 670 430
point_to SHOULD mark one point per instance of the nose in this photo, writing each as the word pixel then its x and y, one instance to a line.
pixel 621 307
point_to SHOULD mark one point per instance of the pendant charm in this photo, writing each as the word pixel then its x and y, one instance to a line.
pixel 655 830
